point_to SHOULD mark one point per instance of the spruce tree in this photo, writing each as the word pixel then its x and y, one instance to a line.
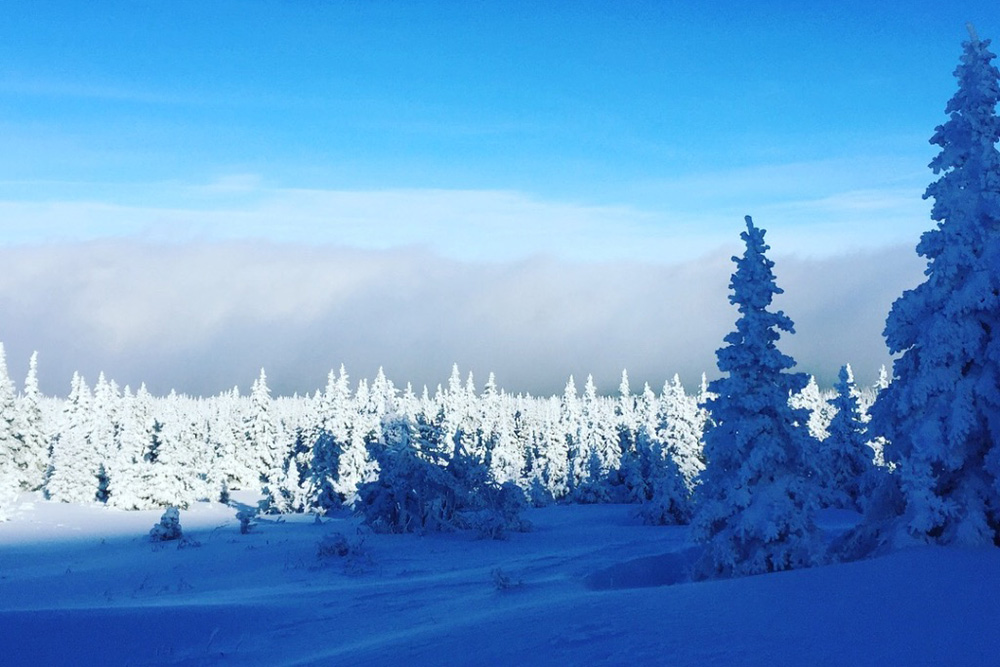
pixel 76 462
pixel 679 427
pixel 8 488
pixel 261 432
pixel 755 502
pixel 846 458
pixel 33 457
pixel 941 414
pixel 11 475
pixel 10 444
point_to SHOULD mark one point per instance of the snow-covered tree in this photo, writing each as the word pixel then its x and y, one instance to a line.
pixel 261 430
pixel 8 488
pixel 128 467
pixel 668 502
pixel 32 458
pixel 414 492
pixel 679 427
pixel 552 448
pixel 10 445
pixel 240 466
pixel 846 458
pixel 355 464
pixel 755 503
pixel 11 474
pixel 570 420
pixel 941 413
pixel 75 461
pixel 811 400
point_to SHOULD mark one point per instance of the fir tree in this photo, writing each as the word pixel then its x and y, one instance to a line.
pixel 679 427
pixel 667 500
pixel 12 477
pixel 262 432
pixel 811 399
pixel 32 458
pixel 8 488
pixel 846 456
pixel 755 503
pixel 72 477
pixel 941 413
pixel 10 444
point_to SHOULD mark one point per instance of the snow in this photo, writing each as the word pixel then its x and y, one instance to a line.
pixel 83 584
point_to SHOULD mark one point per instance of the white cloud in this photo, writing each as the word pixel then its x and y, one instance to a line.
pixel 815 209
pixel 201 317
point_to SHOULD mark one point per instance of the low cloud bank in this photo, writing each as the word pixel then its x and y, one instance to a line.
pixel 202 317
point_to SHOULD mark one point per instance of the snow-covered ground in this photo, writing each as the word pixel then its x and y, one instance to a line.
pixel 82 585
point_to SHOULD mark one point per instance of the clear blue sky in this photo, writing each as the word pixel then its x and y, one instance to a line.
pixel 649 119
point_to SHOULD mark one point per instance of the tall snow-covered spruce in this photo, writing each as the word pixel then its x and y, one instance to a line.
pixel 755 503
pixel 941 414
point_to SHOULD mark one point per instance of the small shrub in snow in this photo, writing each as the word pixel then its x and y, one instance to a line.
pixel 351 552
pixel 334 544
pixel 169 527
pixel 337 545
pixel 503 581
pixel 187 542
pixel 246 518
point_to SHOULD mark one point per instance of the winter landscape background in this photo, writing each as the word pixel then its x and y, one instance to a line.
pixel 390 191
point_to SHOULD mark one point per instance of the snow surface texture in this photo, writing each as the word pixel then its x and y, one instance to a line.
pixel 82 585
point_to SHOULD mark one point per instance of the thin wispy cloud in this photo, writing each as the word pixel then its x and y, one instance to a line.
pixel 819 211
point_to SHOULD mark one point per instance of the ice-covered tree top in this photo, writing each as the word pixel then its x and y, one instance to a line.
pixel 967 195
pixel 751 348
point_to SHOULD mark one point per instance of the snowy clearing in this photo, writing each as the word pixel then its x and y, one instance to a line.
pixel 84 585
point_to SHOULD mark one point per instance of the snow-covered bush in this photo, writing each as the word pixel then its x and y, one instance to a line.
pixel 169 527
pixel 494 511
pixel 419 490
pixel 247 519
pixel 413 492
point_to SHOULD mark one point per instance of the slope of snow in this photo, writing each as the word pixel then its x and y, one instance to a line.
pixel 590 585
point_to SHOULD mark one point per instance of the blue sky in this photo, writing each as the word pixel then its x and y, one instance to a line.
pixel 623 141
pixel 677 117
